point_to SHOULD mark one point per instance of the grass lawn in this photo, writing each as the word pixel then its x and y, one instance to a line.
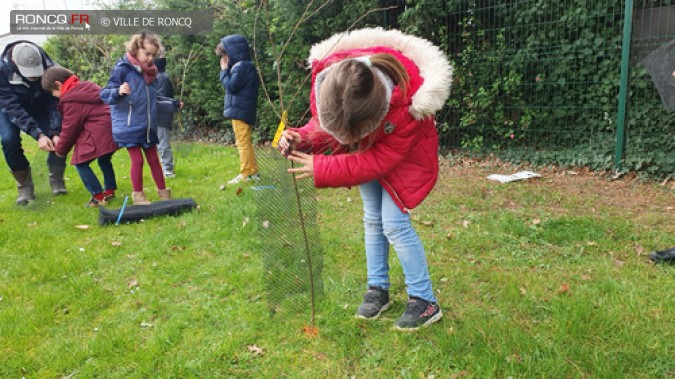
pixel 541 278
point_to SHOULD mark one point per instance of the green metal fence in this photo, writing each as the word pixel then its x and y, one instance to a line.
pixel 561 82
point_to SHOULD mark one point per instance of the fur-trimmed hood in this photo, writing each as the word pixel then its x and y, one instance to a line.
pixel 431 61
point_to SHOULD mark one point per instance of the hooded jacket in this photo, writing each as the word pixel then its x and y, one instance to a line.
pixel 134 116
pixel 86 124
pixel 240 80
pixel 164 90
pixel 22 99
pixel 402 153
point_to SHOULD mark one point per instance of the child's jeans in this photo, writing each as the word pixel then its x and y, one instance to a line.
pixel 164 149
pixel 90 180
pixel 385 223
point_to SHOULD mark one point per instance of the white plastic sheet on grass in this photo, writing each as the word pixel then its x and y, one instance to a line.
pixel 521 175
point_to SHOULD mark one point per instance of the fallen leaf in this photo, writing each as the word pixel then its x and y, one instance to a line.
pixel 239 191
pixel 619 263
pixel 222 187
pixel 536 221
pixel 132 283
pixel 146 325
pixel 266 224
pixel 32 224
pixel 246 220
pixel 639 250
pixel 320 356
pixel 83 226
pixel 460 374
pixel 177 248
pixel 255 350
pixel 466 223
pixel 310 331
pixel 116 244
pixel 484 193
pixel 516 357
pixel 449 236
pixel 523 291
pixel 563 288
pixel 444 280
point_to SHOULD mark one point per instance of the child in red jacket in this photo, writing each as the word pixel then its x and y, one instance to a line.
pixel 373 99
pixel 87 125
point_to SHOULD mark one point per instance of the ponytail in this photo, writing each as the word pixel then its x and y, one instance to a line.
pixel 391 67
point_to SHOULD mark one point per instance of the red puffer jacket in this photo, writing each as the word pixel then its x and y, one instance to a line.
pixel 86 123
pixel 402 154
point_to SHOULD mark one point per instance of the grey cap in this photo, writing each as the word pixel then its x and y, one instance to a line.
pixel 28 59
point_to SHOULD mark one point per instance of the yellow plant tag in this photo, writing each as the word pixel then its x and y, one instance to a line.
pixel 280 128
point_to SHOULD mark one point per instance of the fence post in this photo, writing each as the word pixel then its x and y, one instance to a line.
pixel 623 87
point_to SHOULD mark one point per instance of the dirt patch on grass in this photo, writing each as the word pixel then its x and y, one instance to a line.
pixel 561 185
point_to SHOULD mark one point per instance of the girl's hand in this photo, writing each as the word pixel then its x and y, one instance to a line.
pixel 223 62
pixel 307 162
pixel 180 105
pixel 45 143
pixel 289 139
pixel 124 89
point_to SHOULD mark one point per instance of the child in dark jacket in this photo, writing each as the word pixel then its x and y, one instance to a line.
pixel 87 125
pixel 240 81
pixel 165 120
pixel 134 104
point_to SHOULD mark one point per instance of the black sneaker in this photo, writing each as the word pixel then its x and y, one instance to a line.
pixel 375 301
pixel 418 313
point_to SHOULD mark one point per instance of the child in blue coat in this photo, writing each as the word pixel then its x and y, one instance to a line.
pixel 131 94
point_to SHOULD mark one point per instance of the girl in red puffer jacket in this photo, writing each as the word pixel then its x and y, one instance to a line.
pixel 374 94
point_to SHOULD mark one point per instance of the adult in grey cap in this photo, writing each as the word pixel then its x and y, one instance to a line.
pixel 25 106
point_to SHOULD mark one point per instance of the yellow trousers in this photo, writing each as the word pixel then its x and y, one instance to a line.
pixel 242 133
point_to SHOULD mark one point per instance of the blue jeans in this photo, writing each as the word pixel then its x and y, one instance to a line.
pixel 10 135
pixel 385 224
pixel 164 149
pixel 90 180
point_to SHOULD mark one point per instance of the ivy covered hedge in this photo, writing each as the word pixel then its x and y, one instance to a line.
pixel 534 80
pixel 538 81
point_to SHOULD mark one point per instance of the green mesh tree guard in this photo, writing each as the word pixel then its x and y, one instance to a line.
pixel 290 247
